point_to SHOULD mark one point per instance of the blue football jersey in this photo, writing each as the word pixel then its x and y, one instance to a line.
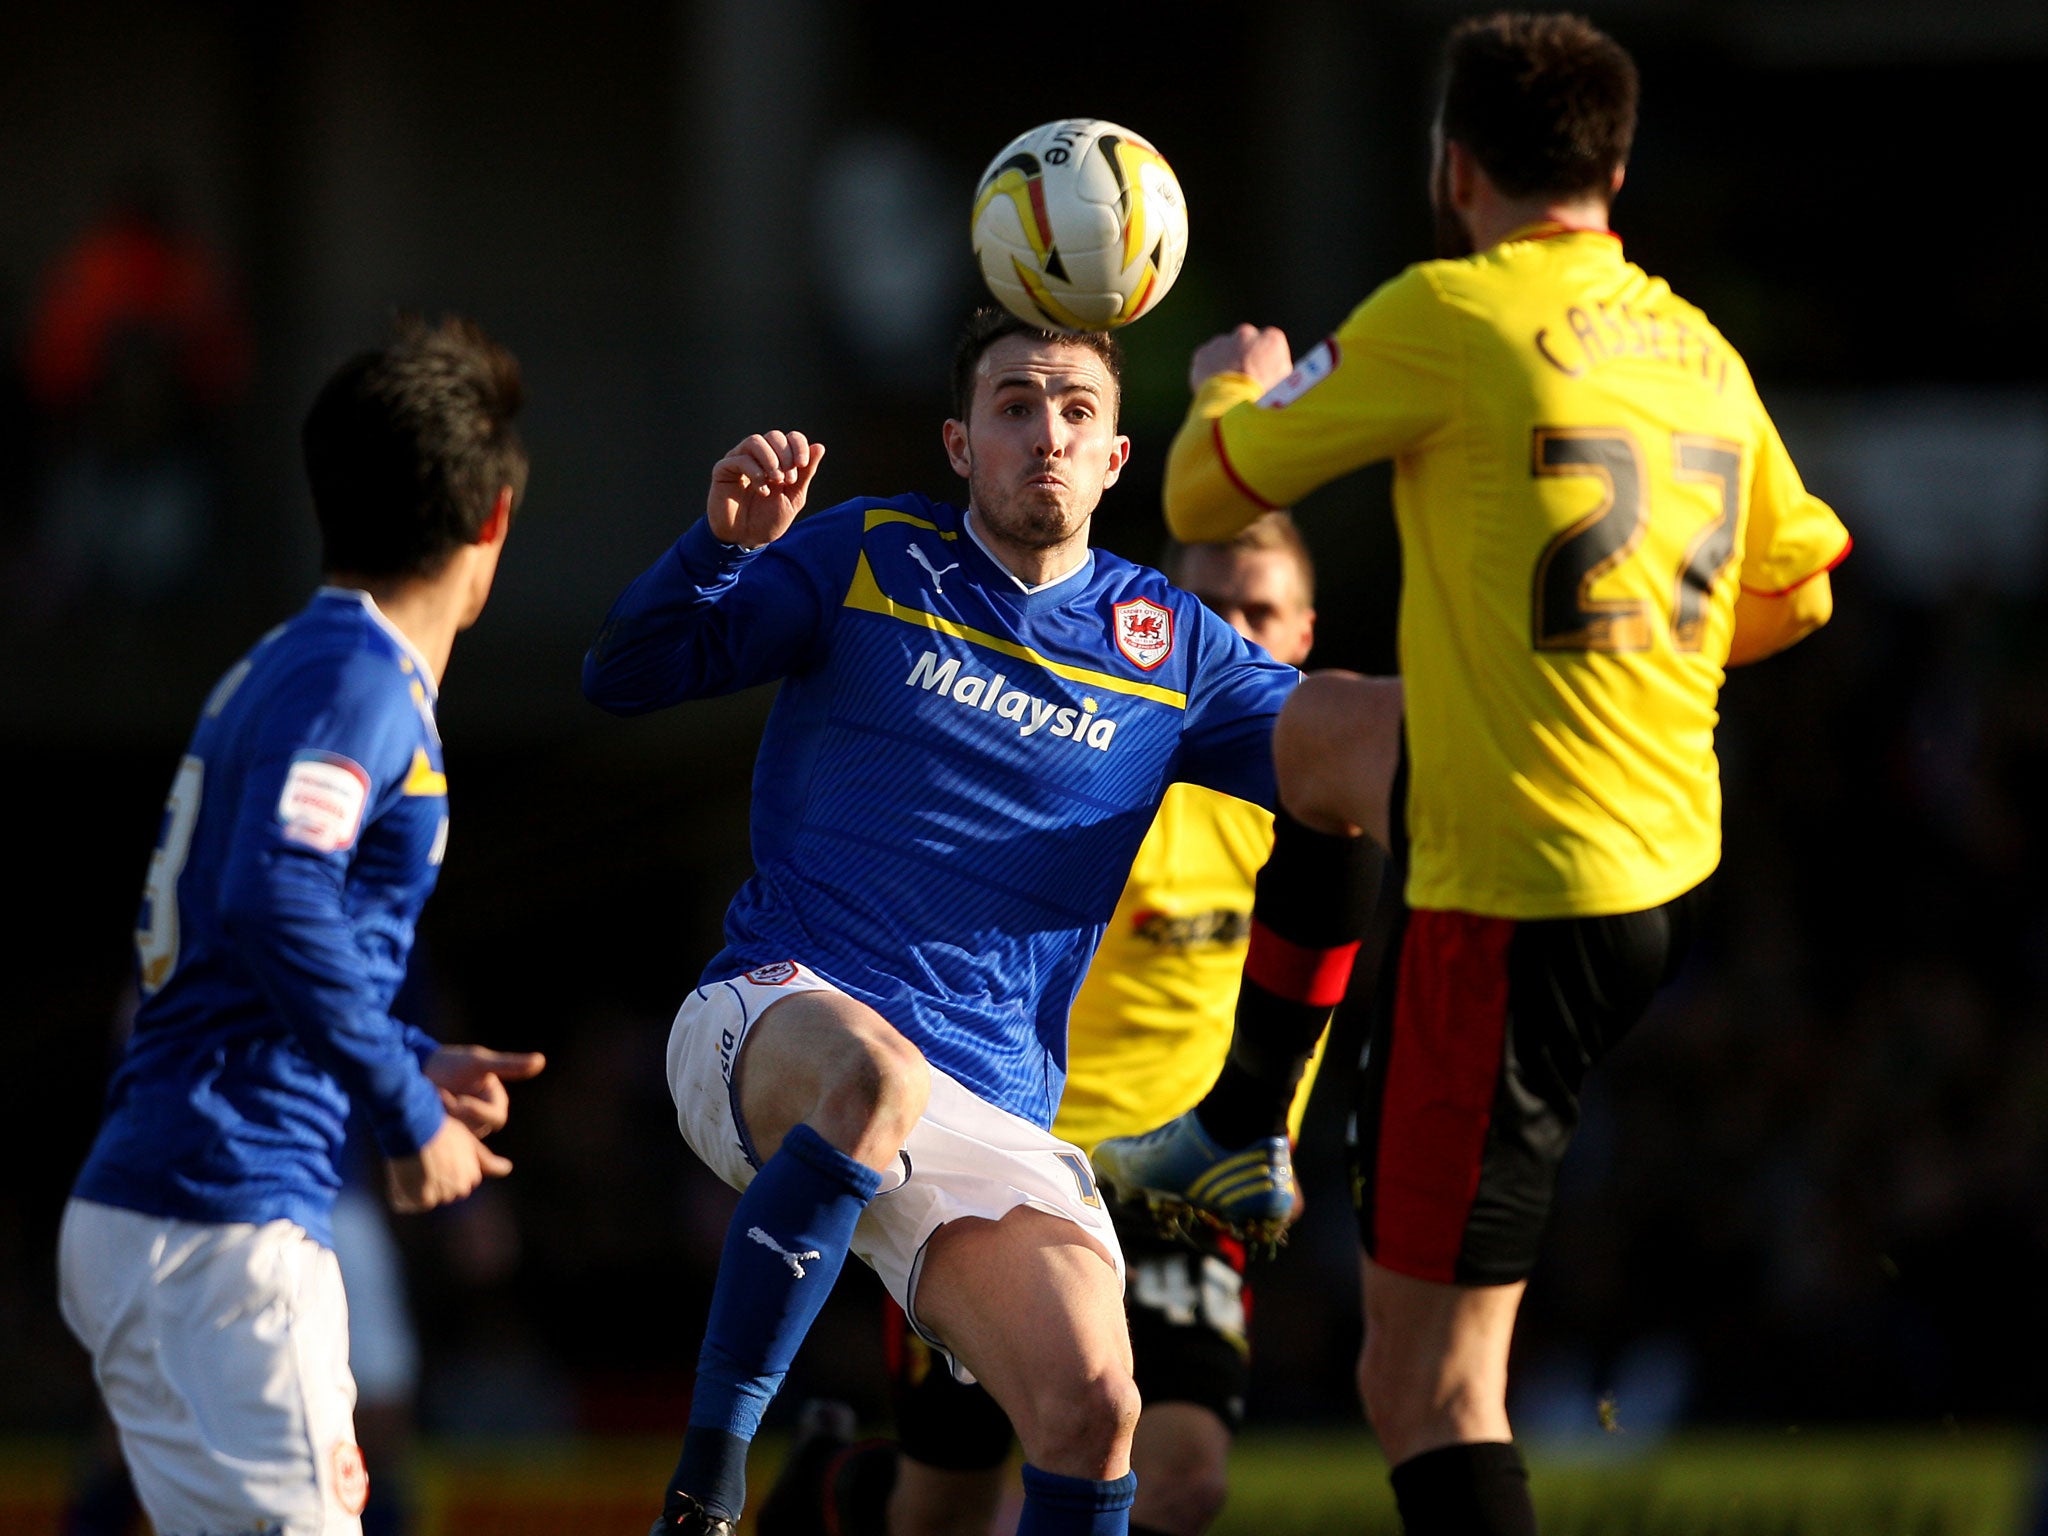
pixel 956 773
pixel 303 833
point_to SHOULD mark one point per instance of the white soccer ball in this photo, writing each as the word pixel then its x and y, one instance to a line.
pixel 1079 225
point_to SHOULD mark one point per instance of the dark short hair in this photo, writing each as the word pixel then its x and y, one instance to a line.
pixel 989 325
pixel 407 448
pixel 1545 103
pixel 1271 532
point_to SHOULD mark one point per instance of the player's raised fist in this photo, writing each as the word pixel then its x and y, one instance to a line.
pixel 1260 352
pixel 758 488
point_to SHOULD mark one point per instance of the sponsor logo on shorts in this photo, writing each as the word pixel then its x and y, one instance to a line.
pixel 773 975
pixel 1144 631
pixel 728 1042
pixel 992 695
pixel 1084 1177
pixel 351 1478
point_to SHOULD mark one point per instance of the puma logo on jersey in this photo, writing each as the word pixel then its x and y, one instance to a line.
pixel 991 694
pixel 795 1261
pixel 936 572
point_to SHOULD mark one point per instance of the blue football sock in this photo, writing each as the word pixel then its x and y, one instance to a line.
pixel 784 1249
pixel 1076 1506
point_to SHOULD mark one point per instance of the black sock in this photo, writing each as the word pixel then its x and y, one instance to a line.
pixel 1309 912
pixel 712 1470
pixel 1465 1490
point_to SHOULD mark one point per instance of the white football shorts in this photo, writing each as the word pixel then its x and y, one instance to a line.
pixel 383 1349
pixel 221 1351
pixel 965 1157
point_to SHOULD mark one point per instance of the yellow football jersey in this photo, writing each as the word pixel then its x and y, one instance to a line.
pixel 1152 1022
pixel 1583 476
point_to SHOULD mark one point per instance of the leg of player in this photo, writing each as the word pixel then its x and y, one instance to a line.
pixel 1337 748
pixel 934 1501
pixel 1181 1454
pixel 1434 1378
pixel 1034 1308
pixel 827 1091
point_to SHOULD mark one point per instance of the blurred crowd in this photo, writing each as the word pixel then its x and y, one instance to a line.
pixel 114 409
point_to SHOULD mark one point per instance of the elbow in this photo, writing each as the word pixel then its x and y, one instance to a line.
pixel 606 685
pixel 1194 515
pixel 1205 503
pixel 1766 625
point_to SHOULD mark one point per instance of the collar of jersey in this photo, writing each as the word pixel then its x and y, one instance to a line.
pixel 424 672
pixel 1010 582
pixel 1550 229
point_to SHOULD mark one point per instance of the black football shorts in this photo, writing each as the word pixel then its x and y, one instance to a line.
pixel 1468 1092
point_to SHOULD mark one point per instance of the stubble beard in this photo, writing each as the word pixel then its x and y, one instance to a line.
pixel 1028 518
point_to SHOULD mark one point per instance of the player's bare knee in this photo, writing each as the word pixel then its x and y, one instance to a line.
pixel 1335 745
pixel 1392 1390
pixel 1415 1399
pixel 1078 1428
pixel 879 1086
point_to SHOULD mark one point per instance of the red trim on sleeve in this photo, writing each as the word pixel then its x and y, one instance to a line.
pixel 1315 978
pixel 1802 581
pixel 1443 1070
pixel 1223 458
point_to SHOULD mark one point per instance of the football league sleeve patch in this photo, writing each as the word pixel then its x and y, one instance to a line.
pixel 322 803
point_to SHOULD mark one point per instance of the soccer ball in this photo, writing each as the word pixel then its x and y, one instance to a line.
pixel 1079 225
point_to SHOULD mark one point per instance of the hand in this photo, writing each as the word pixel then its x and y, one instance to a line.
pixel 448 1168
pixel 758 489
pixel 472 1081
pixel 1261 354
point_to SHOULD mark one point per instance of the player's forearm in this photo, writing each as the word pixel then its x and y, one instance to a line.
pixel 671 636
pixel 288 924
pixel 1205 502
pixel 1767 623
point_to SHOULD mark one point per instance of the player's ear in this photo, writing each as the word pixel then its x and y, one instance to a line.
pixel 1464 173
pixel 954 435
pixel 1119 456
pixel 1614 185
pixel 500 521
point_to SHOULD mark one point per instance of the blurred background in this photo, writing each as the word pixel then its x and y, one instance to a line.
pixel 1811 1194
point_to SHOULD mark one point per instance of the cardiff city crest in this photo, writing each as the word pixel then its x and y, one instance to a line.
pixel 1144 631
